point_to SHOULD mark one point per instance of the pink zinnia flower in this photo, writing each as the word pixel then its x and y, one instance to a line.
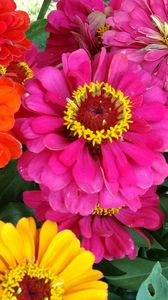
pixel 104 231
pixel 96 132
pixel 80 27
pixel 142 26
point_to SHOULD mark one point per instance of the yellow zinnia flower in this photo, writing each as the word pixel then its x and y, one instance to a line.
pixel 45 264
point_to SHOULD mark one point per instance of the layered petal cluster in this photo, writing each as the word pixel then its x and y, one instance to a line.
pixel 13 25
pixel 96 132
pixel 76 24
pixel 104 231
pixel 10 100
pixel 141 28
pixel 44 264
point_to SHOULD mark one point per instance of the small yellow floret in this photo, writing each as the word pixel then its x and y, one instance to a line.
pixel 105 211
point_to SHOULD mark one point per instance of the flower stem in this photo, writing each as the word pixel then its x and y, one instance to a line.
pixel 43 9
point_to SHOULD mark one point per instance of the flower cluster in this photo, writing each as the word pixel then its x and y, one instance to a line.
pixel 95 122
pixel 13 25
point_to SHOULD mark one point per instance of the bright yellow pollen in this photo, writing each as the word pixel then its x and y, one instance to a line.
pixel 29 72
pixel 12 279
pixel 100 31
pixel 103 212
pixel 3 70
pixel 98 136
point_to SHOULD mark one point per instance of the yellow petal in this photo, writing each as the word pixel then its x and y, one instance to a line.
pixel 66 256
pixel 87 295
pixel 28 246
pixel 59 242
pixel 6 255
pixel 80 264
pixel 47 233
pixel 13 241
pixel 32 227
pixel 90 275
pixel 99 285
pixel 3 268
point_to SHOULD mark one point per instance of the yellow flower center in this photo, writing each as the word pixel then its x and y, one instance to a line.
pixel 97 112
pixel 103 212
pixel 163 28
pixel 29 281
pixel 18 71
pixel 100 31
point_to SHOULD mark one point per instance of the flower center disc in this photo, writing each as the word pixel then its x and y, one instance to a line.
pixel 18 71
pixel 100 31
pixel 98 112
pixel 31 282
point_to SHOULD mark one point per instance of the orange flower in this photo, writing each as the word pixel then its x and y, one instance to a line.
pixel 13 25
pixel 10 148
pixel 10 99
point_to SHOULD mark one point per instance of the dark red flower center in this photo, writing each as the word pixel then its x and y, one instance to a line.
pixel 34 289
pixel 18 71
pixel 98 113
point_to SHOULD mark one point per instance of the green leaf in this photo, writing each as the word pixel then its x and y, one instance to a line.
pixel 155 287
pixel 164 204
pixel 141 242
pixel 136 271
pixel 113 296
pixel 13 211
pixel 12 185
pixel 37 33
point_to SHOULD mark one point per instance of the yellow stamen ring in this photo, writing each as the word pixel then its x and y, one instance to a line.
pixel 100 31
pixel 11 281
pixel 28 71
pixel 103 212
pixel 121 103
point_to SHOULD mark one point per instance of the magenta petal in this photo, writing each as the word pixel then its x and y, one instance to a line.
pixel 78 201
pixel 56 201
pixel 53 80
pixel 36 145
pixel 77 68
pixel 37 165
pixel 71 153
pixel 23 165
pixel 109 199
pixel 55 142
pixel 108 164
pixel 141 155
pixel 119 65
pixel 55 182
pixel 32 198
pixel 46 124
pixel 85 226
pixel 87 173
pixel 56 166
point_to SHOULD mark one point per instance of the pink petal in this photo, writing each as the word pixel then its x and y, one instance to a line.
pixel 46 124
pixel 55 142
pixel 53 81
pixel 71 153
pixel 77 68
pixel 87 173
